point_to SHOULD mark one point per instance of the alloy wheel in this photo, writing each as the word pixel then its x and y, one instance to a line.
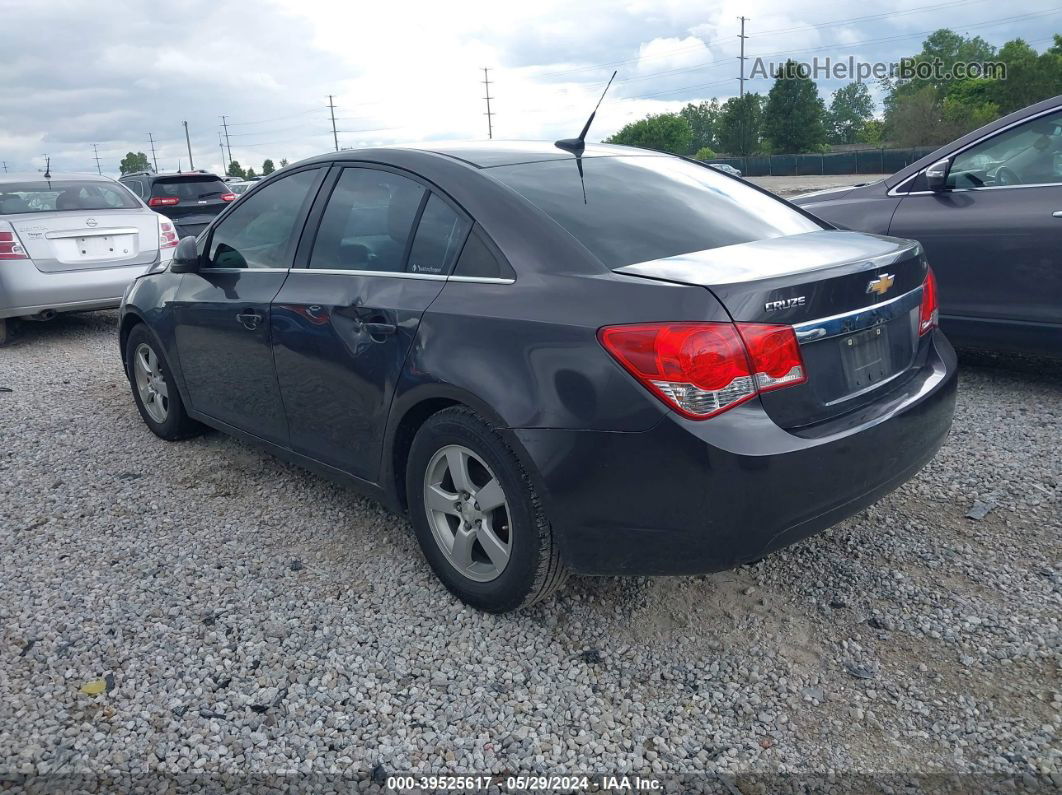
pixel 150 383
pixel 468 513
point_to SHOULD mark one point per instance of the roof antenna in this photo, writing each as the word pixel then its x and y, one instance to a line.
pixel 47 167
pixel 576 145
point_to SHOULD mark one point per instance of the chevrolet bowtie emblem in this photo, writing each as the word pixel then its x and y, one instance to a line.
pixel 881 285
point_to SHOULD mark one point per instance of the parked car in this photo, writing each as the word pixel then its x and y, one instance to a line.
pixel 72 242
pixel 623 363
pixel 190 199
pixel 239 188
pixel 726 168
pixel 988 209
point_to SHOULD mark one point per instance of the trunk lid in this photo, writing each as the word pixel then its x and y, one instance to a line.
pixel 88 239
pixel 853 300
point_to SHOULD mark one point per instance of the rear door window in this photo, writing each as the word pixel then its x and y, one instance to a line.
pixel 632 209
pixel 480 260
pixel 440 234
pixel 367 223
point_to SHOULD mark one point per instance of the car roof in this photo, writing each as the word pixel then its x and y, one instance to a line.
pixel 488 154
pixel 168 174
pixel 56 176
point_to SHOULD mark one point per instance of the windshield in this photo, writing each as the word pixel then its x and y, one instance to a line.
pixel 47 196
pixel 641 208
pixel 189 189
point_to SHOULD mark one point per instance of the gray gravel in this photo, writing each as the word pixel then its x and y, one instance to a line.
pixel 246 616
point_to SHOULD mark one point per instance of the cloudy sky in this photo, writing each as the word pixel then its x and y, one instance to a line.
pixel 108 73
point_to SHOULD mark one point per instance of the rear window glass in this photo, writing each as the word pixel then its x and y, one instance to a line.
pixel 635 209
pixel 189 189
pixel 46 196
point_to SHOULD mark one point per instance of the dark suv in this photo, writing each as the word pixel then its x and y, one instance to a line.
pixel 191 199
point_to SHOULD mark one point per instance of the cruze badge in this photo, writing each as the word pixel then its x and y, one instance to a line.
pixel 785 303
pixel 881 285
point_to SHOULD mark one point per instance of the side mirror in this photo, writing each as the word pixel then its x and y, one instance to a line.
pixel 937 175
pixel 185 257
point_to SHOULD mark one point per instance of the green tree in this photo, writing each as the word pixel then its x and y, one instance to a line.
pixel 134 162
pixel 250 174
pixel 235 170
pixel 1029 77
pixel 665 132
pixel 267 167
pixel 794 116
pixel 872 133
pixel 702 118
pixel 704 153
pixel 740 125
pixel 850 110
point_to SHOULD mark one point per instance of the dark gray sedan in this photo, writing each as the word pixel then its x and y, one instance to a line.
pixel 988 210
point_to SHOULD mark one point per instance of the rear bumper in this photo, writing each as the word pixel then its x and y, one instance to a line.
pixel 24 290
pixel 692 497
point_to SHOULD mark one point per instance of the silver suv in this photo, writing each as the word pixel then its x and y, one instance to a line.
pixel 73 242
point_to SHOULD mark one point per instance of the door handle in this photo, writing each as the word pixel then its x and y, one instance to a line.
pixel 380 329
pixel 249 319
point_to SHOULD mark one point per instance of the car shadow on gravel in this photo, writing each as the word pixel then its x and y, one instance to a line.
pixel 63 327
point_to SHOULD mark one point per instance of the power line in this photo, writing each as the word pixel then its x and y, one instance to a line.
pixel 224 123
pixel 487 96
pixel 154 159
pixel 96 154
pixel 332 110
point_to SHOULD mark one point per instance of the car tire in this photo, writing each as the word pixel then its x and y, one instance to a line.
pixel 154 389
pixel 464 544
pixel 5 330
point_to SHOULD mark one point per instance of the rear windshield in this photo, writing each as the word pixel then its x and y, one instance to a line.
pixel 637 209
pixel 46 196
pixel 189 189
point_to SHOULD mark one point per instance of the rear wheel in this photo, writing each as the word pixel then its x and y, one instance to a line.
pixel 4 330
pixel 154 389
pixel 477 516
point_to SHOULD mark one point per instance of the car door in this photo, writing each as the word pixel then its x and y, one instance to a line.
pixel 222 311
pixel 347 315
pixel 994 234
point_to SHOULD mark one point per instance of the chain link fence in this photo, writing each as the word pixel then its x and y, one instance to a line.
pixel 861 161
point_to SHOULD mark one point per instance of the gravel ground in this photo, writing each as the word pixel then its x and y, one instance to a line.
pixel 792 186
pixel 244 616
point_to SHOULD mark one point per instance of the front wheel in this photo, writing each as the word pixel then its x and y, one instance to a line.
pixel 477 516
pixel 154 389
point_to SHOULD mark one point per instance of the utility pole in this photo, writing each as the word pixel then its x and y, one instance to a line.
pixel 221 146
pixel 96 154
pixel 741 58
pixel 187 140
pixel 153 158
pixel 332 110
pixel 225 124
pixel 741 78
pixel 5 165
pixel 487 96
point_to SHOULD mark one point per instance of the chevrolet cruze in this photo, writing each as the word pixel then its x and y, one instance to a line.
pixel 600 361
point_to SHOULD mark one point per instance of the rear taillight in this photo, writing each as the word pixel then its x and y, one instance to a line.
pixel 228 197
pixel 11 246
pixel 167 234
pixel 929 315
pixel 163 201
pixel 703 369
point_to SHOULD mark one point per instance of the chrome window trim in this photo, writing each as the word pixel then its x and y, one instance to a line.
pixel 244 270
pixel 482 280
pixel 825 328
pixel 896 190
pixel 968 190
